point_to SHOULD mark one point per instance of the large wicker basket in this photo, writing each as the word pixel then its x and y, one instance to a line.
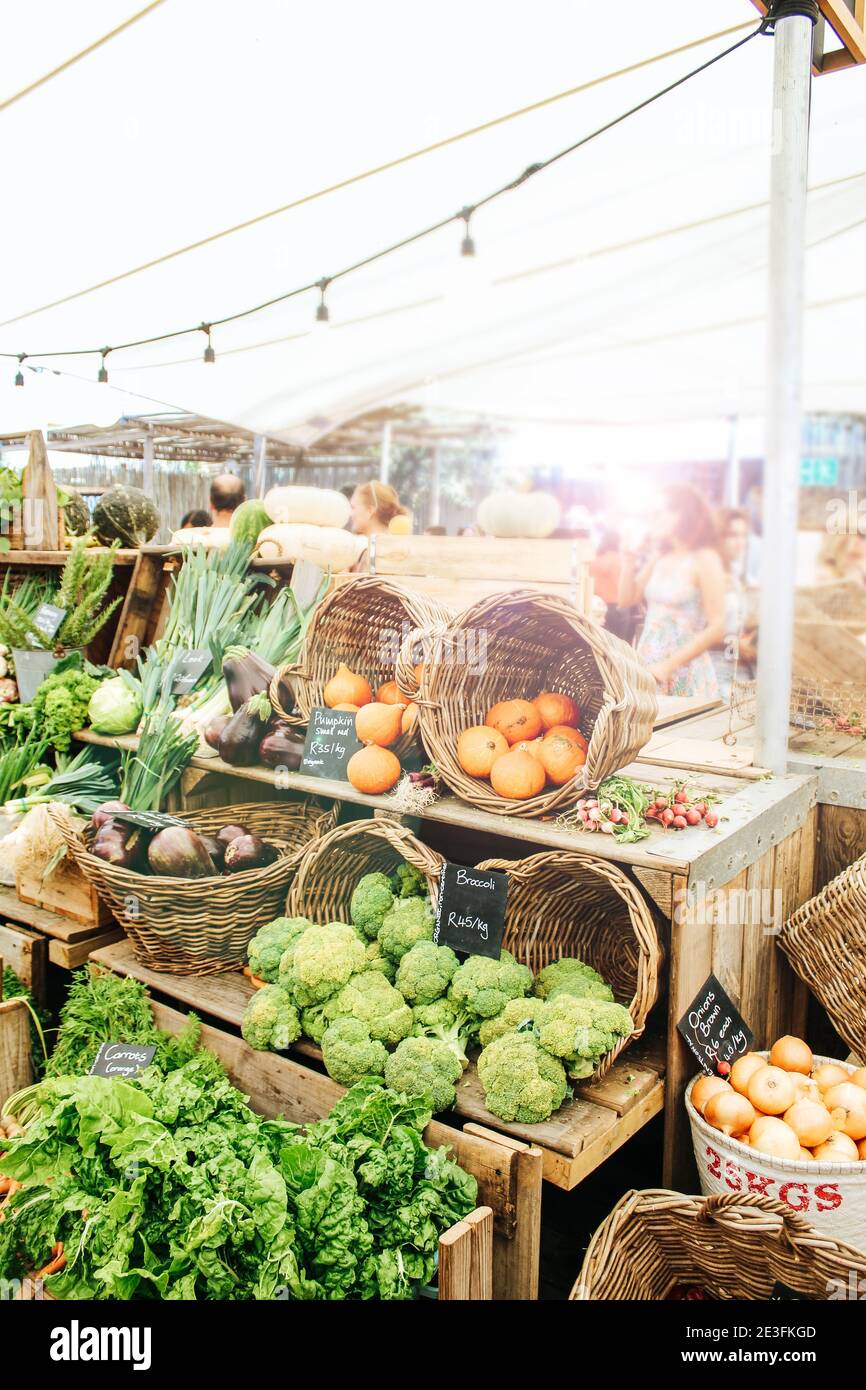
pixel 563 903
pixel 203 926
pixel 330 867
pixel 513 646
pixel 733 1245
pixel 364 624
pixel 825 941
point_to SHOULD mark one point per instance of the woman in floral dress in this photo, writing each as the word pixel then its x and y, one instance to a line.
pixel 683 586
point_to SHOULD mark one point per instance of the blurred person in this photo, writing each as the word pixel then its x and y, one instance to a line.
pixel 435 531
pixel 738 651
pixel 840 558
pixel 374 506
pixel 682 583
pixel 470 531
pixel 226 494
pixel 605 572
pixel 197 517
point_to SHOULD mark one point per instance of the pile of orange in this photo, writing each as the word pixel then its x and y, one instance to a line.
pixel 379 723
pixel 789 1106
pixel 524 745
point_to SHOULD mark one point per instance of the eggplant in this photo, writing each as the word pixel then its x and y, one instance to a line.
pixel 215 848
pixel 246 852
pixel 123 845
pixel 104 812
pixel 245 677
pixel 281 747
pixel 240 739
pixel 228 833
pixel 177 852
pixel 214 729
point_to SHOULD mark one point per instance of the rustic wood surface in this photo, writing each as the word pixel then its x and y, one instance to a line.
pixel 16 1065
pixel 48 923
pixel 26 953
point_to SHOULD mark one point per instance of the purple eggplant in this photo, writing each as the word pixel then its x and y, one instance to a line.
pixel 246 676
pixel 281 747
pixel 121 844
pixel 247 852
pixel 214 730
pixel 215 848
pixel 229 833
pixel 177 852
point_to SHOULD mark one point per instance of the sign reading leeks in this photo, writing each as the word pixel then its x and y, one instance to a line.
pixel 470 915
pixel 190 667
pixel 331 740
pixel 122 1059
pixel 48 619
pixel 714 1028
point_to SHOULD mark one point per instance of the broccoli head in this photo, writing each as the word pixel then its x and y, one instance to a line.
pixel 270 1020
pixel 581 988
pixel 425 972
pixel 483 986
pixel 349 1053
pixel 408 882
pixel 377 960
pixel 323 960
pixel 569 971
pixel 518 1016
pixel 581 1031
pixel 410 920
pixel 370 901
pixel 521 1081
pixel 314 1022
pixel 424 1067
pixel 440 1014
pixel 379 1006
pixel 267 946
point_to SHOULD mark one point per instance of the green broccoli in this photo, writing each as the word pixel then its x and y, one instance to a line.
pixel 270 1020
pixel 349 1053
pixel 371 899
pixel 579 987
pixel 425 972
pixel 521 1081
pixel 518 1016
pixel 314 1022
pixel 581 1031
pixel 267 946
pixel 440 1014
pixel 324 959
pixel 370 998
pixel 408 882
pixel 409 920
pixel 424 1067
pixel 483 986
pixel 377 960
pixel 569 971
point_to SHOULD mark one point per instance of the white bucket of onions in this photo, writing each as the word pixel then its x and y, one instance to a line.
pixel 829 1192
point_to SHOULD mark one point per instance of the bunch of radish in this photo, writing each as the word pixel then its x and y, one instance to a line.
pixel 679 808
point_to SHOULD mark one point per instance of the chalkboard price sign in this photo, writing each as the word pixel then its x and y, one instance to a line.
pixel 331 740
pixel 189 668
pixel 714 1028
pixel 470 916
pixel 48 619
pixel 122 1059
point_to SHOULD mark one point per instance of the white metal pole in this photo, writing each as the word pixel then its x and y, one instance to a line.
pixel 385 463
pixel 147 465
pixel 260 449
pixel 792 81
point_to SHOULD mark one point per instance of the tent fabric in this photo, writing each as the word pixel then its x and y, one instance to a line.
pixel 620 293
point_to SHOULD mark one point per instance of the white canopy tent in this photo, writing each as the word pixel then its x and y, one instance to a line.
pixel 619 295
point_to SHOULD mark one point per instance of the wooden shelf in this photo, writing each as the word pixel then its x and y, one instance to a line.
pixel 59 557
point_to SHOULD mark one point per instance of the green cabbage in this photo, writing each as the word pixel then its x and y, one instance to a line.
pixel 114 708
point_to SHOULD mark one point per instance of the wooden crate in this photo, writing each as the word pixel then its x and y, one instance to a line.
pixel 26 953
pixel 68 942
pixel 66 892
pixel 16 1063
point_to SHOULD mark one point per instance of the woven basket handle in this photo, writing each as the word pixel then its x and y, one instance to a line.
pixel 404 669
pixel 60 818
pixel 288 674
pixel 794 1224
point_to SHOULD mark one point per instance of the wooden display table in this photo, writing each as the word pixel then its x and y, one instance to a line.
pixel 69 943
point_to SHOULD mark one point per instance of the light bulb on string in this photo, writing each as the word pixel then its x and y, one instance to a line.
pixel 323 317
pixel 465 277
pixel 19 375
pixel 102 376
pixel 209 354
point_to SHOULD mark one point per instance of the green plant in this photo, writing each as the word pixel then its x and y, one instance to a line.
pixel 84 584
pixel 519 1015
pixel 61 703
pixel 521 1081
pixel 581 1031
pixel 424 1067
pixel 324 959
pixel 483 986
pixel 570 975
pixel 370 998
pixel 270 1020
pixel 269 944
pixel 425 972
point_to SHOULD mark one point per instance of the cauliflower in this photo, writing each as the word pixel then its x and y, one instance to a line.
pixel 518 1016
pixel 408 882
pixel 425 971
pixel 377 960
pixel 521 1081
pixel 370 998
pixel 483 986
pixel 569 972
pixel 349 1053
pixel 409 920
pixel 314 1022
pixel 267 946
pixel 424 1067
pixel 581 1031
pixel 323 960
pixel 270 1020
pixel 371 899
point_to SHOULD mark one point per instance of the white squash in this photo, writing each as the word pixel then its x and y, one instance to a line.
pixel 531 514
pixel 325 546
pixel 211 537
pixel 314 506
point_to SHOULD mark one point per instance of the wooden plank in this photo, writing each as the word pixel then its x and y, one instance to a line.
pixel 758 948
pixel 593 1155
pixel 65 892
pixel 691 959
pixel 26 953
pixel 69 955
pixel 16 1065
pixel 139 612
pixel 455 1262
pixel 518 563
pixel 841 840
pixel 728 934
pixel 661 887
pixel 849 26
pixel 623 1088
pixel 480 1223
pixel 46 559
pixel 673 708
pixel 41 518
pixel 704 756
pixel 48 923
pixel 516 1262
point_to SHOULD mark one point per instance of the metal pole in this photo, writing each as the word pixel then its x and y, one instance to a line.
pixel 385 464
pixel 732 472
pixel 147 465
pixel 260 449
pixel 792 79
pixel 436 487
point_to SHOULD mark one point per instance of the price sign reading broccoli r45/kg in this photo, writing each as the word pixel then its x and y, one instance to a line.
pixel 714 1028
pixel 122 1059
pixel 470 916
pixel 331 740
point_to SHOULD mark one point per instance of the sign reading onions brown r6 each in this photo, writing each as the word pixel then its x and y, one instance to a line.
pixel 331 740
pixel 470 916
pixel 714 1028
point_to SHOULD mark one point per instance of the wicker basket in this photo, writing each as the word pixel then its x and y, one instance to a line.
pixel 562 903
pixel 513 646
pixel 734 1245
pixel 203 926
pixel 825 941
pixel 330 867
pixel 363 624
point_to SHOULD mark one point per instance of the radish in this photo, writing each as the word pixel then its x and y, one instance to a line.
pixel 711 819
pixel 667 816
pixel 693 816
pixel 680 822
pixel 607 827
pixel 661 803
pixel 681 797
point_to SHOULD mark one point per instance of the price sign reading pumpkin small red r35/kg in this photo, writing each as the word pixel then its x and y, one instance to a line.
pixel 714 1028
pixel 470 915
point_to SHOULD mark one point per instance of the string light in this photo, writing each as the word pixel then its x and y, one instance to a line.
pixel 19 375
pixel 467 248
